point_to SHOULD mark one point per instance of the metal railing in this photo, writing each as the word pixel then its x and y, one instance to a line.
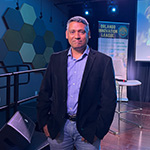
pixel 15 86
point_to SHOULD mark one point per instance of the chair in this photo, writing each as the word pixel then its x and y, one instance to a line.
pixel 122 84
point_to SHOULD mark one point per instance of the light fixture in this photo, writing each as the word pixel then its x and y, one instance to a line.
pixel 86 9
pixel 112 7
pixel 86 12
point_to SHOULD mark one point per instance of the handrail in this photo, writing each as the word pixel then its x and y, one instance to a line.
pixel 19 102
pixel 5 74
pixel 16 85
pixel 27 99
pixel 15 66
pixel 29 71
pixel 11 73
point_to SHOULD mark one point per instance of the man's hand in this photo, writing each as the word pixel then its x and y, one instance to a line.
pixel 46 131
pixel 83 139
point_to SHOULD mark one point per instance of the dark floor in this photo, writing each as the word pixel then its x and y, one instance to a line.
pixel 131 137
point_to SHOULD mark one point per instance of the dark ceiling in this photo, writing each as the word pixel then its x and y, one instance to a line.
pixel 99 12
pixel 74 7
pixel 74 2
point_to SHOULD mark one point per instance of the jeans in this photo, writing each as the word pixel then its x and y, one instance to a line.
pixel 70 137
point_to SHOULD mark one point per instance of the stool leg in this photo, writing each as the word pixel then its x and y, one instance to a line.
pixel 140 88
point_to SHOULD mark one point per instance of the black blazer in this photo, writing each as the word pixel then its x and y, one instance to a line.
pixel 97 96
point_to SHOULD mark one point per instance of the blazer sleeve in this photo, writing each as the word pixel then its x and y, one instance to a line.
pixel 108 100
pixel 44 98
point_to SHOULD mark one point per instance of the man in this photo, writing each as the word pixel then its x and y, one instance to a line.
pixel 77 99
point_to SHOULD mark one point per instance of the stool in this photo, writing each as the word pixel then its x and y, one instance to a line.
pixel 121 84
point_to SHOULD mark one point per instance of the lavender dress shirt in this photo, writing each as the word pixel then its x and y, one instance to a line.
pixel 75 71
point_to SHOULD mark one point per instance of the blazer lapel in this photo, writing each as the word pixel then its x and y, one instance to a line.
pixel 63 72
pixel 88 68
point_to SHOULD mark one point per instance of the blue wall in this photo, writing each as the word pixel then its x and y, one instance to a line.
pixel 57 26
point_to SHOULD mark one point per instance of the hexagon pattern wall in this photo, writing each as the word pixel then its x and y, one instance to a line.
pixel 39 27
pixel 13 40
pixel 3 50
pixel 27 52
pixel 49 38
pixel 39 45
pixel 26 39
pixel 28 34
pixel 12 58
pixel 13 19
pixel 28 14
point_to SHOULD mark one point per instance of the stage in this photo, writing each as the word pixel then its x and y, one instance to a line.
pixel 131 137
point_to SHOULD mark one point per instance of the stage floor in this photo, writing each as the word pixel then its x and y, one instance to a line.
pixel 131 137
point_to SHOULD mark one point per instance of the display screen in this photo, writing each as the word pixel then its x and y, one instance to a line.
pixel 143 31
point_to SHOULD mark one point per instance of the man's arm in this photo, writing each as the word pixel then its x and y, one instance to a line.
pixel 108 101
pixel 43 100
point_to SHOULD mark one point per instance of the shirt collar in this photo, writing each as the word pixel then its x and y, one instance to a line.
pixel 86 52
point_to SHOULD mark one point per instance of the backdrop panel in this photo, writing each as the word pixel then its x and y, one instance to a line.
pixel 113 41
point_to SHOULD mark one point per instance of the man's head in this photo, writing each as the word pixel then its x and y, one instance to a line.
pixel 78 32
pixel 78 19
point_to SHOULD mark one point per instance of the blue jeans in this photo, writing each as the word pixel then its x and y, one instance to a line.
pixel 70 137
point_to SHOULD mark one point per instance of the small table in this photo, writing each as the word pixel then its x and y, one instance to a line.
pixel 121 84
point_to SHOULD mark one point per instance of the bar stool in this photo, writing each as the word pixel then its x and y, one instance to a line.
pixel 122 84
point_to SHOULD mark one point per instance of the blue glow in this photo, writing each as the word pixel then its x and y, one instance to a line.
pixel 113 9
pixel 86 12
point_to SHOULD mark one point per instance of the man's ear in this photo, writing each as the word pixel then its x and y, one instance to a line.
pixel 66 34
pixel 89 34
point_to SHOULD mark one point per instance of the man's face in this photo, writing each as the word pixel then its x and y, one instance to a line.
pixel 77 35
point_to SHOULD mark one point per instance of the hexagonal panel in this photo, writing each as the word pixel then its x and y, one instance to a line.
pixel 13 40
pixel 57 46
pixel 39 61
pixel 13 19
pixel 27 52
pixel 39 45
pixel 28 14
pixel 39 27
pixel 48 52
pixel 28 34
pixel 49 38
pixel 12 58
pixel 3 50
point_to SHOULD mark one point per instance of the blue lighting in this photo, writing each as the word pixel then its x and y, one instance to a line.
pixel 86 12
pixel 113 9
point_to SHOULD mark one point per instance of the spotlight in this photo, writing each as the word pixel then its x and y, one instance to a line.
pixel 112 7
pixel 86 12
